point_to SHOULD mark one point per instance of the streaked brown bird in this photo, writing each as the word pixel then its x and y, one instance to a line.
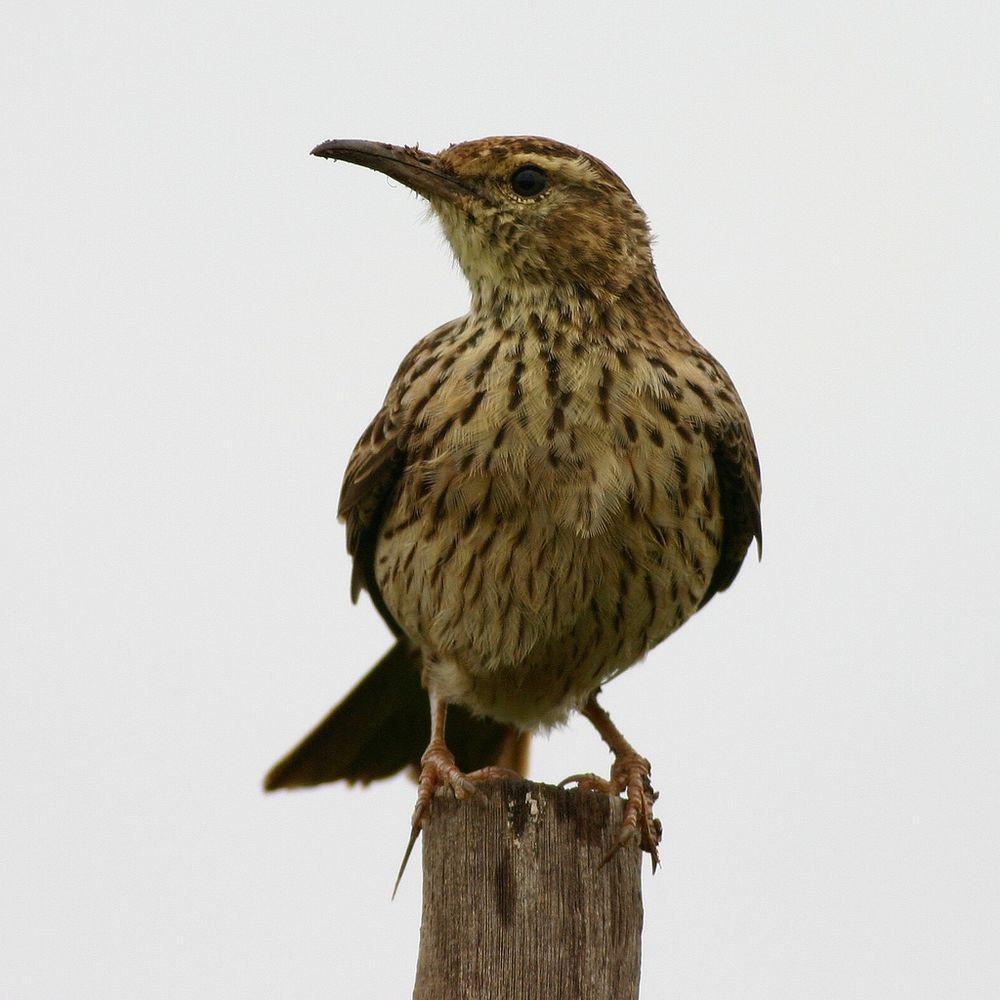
pixel 556 481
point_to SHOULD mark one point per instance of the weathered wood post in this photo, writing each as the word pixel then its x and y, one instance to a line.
pixel 516 904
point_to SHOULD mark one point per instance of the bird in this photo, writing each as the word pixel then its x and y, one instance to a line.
pixel 556 481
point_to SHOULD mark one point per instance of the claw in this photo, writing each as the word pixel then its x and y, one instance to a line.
pixel 414 833
pixel 629 775
pixel 438 769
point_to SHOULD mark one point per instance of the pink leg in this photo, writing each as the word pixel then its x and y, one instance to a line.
pixel 629 774
pixel 438 769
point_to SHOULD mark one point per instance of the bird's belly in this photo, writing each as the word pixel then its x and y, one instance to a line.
pixel 528 583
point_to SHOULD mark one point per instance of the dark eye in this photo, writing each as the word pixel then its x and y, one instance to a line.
pixel 528 181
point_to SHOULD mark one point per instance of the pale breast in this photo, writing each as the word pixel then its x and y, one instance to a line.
pixel 558 517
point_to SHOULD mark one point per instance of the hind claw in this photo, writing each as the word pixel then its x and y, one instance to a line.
pixel 439 770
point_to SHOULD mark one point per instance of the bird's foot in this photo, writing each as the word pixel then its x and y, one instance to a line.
pixel 629 775
pixel 439 770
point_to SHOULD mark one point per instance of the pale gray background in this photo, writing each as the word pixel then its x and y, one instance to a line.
pixel 199 320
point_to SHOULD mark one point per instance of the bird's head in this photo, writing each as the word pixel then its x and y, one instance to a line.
pixel 522 213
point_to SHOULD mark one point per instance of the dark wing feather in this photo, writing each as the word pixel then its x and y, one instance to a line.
pixel 368 492
pixel 738 472
pixel 374 471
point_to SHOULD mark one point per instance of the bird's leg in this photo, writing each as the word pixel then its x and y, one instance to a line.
pixel 438 769
pixel 629 774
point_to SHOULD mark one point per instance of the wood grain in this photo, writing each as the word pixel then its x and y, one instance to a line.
pixel 516 904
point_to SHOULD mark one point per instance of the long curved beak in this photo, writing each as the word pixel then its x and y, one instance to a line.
pixel 423 172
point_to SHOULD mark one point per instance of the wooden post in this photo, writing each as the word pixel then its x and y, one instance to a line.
pixel 516 903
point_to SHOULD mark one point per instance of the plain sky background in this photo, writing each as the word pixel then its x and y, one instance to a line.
pixel 199 320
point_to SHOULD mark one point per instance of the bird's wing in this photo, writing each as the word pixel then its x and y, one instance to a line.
pixel 738 472
pixel 374 471
pixel 368 492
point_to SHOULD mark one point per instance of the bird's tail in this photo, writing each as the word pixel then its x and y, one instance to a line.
pixel 383 725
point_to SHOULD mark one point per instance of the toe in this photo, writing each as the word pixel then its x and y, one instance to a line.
pixel 461 785
pixel 590 783
pixel 493 773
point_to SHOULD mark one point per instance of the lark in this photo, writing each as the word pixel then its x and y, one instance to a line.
pixel 555 483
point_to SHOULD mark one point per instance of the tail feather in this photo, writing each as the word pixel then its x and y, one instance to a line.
pixel 383 726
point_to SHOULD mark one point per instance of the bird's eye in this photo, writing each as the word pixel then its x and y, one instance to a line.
pixel 528 181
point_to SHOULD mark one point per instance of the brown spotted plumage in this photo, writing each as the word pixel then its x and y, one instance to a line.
pixel 557 480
